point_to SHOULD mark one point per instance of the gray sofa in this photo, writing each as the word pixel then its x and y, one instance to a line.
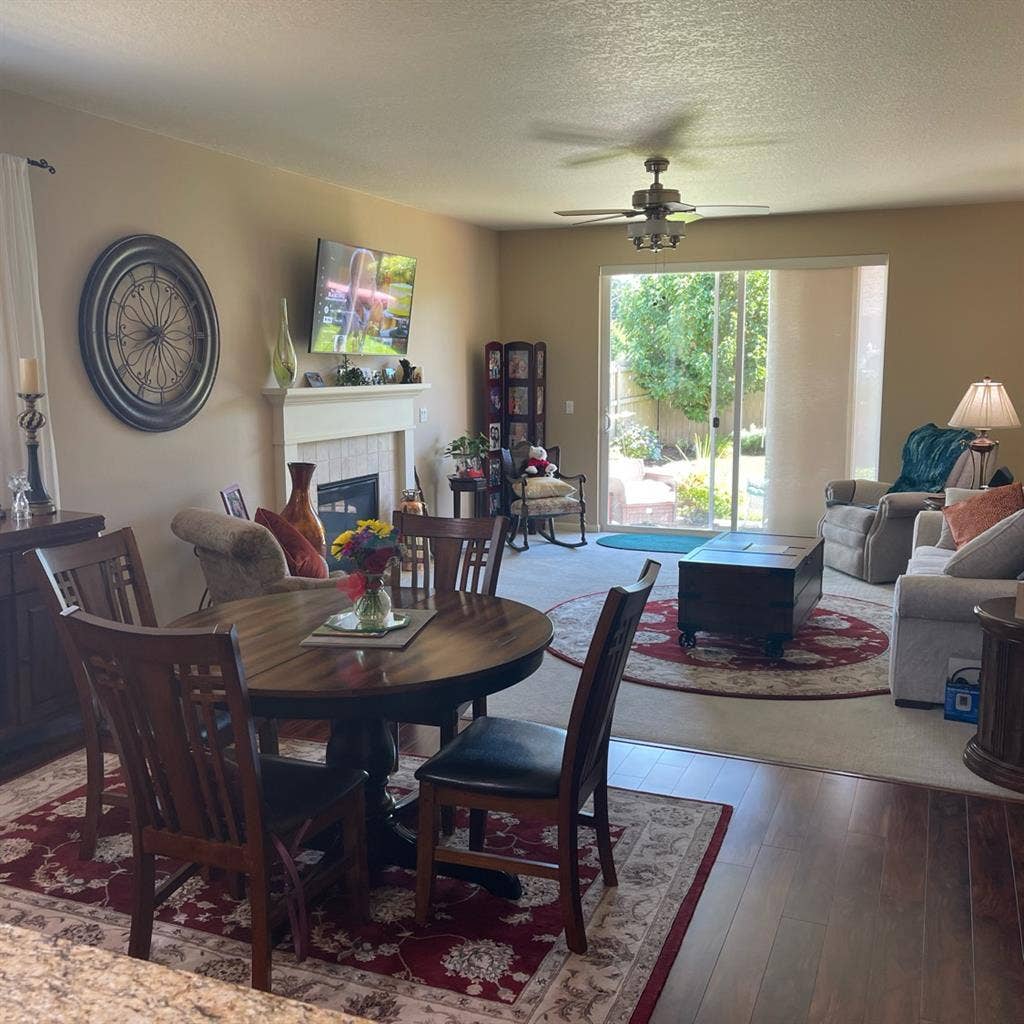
pixel 933 618
pixel 868 533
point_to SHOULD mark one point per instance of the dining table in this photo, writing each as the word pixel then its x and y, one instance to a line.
pixel 473 646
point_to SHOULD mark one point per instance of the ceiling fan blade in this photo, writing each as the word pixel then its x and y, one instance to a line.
pixel 686 218
pixel 679 207
pixel 594 220
pixel 597 213
pixel 597 158
pixel 732 211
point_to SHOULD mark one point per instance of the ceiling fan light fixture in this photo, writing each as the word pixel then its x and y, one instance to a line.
pixel 656 234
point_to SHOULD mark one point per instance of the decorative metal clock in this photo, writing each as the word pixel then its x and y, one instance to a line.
pixel 147 327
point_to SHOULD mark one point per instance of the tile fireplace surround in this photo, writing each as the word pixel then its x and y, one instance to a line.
pixel 347 432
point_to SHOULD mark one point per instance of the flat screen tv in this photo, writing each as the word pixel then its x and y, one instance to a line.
pixel 363 300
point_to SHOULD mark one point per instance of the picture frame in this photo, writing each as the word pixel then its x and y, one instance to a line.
pixel 494 436
pixel 390 375
pixel 234 503
pixel 313 380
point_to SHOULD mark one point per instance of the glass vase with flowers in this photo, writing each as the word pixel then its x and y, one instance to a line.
pixel 373 548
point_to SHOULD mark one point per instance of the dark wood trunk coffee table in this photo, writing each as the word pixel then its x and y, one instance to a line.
pixel 750 584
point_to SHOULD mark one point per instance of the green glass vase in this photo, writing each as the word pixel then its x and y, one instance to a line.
pixel 285 363
pixel 373 606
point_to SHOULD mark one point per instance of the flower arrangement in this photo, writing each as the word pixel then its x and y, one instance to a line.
pixel 372 547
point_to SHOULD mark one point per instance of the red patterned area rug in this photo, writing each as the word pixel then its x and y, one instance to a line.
pixel 480 959
pixel 842 650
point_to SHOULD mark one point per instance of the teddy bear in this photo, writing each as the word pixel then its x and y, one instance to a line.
pixel 538 464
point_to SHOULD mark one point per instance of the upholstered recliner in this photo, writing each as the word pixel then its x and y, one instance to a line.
pixel 239 558
pixel 868 529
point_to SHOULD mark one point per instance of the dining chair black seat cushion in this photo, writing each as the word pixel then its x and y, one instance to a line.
pixel 500 757
pixel 295 790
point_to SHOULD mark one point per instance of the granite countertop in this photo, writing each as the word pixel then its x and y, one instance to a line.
pixel 51 980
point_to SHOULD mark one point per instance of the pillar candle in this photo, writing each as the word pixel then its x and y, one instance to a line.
pixel 28 370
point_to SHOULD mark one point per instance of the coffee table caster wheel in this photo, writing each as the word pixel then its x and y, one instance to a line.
pixel 687 640
pixel 773 649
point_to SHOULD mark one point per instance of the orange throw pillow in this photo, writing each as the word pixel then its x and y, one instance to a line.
pixel 971 518
pixel 303 559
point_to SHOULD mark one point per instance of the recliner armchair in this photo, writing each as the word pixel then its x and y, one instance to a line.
pixel 869 532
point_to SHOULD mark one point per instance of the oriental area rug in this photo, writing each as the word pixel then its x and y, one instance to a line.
pixel 481 958
pixel 841 650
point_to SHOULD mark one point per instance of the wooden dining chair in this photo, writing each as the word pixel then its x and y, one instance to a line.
pixel 196 800
pixel 103 576
pixel 466 555
pixel 537 771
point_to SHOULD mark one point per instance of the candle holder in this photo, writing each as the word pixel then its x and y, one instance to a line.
pixel 32 421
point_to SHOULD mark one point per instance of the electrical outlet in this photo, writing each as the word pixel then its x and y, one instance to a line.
pixel 570 408
pixel 423 415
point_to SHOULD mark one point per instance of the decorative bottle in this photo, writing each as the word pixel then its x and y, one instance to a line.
pixel 285 363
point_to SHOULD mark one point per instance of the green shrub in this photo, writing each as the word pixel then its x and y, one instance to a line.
pixel 692 499
pixel 636 442
pixel 752 441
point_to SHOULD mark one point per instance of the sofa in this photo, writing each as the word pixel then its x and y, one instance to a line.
pixel 933 617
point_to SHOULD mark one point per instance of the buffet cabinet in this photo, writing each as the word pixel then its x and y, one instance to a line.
pixel 38 705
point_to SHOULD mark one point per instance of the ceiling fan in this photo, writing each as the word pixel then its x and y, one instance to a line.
pixel 664 214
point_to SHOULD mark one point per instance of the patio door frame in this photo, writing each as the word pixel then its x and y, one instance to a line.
pixel 604 364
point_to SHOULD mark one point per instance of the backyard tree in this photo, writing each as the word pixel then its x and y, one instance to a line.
pixel 662 331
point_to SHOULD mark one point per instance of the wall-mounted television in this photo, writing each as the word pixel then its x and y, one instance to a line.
pixel 363 300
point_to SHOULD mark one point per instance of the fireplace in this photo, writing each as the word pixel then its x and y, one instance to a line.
pixel 340 504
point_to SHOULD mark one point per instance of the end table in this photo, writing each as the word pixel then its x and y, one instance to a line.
pixel 475 485
pixel 996 751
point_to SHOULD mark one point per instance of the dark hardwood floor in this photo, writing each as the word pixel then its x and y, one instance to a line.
pixel 835 899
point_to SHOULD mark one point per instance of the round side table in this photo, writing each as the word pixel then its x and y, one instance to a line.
pixel 996 751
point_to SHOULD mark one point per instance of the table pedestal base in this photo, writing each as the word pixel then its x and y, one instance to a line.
pixel 369 745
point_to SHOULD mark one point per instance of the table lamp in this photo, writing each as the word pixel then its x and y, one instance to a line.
pixel 984 407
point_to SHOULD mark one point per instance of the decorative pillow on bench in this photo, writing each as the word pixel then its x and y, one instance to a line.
pixel 996 554
pixel 971 517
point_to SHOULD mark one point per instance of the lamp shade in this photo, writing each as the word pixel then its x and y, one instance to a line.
pixel 985 406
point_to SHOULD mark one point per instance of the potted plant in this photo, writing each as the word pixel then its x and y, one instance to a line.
pixel 467 452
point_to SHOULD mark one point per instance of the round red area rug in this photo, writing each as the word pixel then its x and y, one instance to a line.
pixel 842 650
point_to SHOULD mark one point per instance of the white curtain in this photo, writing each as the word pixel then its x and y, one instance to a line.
pixel 21 322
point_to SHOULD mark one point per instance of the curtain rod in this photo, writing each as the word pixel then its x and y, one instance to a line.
pixel 45 164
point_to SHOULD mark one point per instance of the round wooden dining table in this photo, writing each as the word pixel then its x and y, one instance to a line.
pixel 473 646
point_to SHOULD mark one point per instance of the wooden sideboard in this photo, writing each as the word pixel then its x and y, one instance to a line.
pixel 38 706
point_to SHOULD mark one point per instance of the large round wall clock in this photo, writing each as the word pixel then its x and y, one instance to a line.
pixel 147 327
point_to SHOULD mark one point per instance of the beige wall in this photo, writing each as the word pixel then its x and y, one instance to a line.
pixel 955 306
pixel 252 231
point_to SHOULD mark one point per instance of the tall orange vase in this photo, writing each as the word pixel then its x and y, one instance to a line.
pixel 300 511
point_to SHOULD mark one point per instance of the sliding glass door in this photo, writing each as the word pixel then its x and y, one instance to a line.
pixel 684 436
pixel 733 394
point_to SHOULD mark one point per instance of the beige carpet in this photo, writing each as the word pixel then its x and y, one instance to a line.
pixel 864 735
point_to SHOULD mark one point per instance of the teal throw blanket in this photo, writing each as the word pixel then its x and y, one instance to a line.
pixel 929 456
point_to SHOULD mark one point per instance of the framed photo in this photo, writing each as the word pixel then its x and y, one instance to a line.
pixel 494 365
pixel 494 396
pixel 540 364
pixel 540 400
pixel 313 380
pixel 518 366
pixel 234 503
pixel 516 433
pixel 494 472
pixel 494 501
pixel 390 375
pixel 494 436
pixel 519 401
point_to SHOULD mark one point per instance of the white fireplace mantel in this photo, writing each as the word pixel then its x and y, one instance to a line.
pixel 308 414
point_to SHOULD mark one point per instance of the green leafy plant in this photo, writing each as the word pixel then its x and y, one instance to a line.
pixel 636 441
pixel 752 441
pixel 692 499
pixel 467 450
pixel 662 330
